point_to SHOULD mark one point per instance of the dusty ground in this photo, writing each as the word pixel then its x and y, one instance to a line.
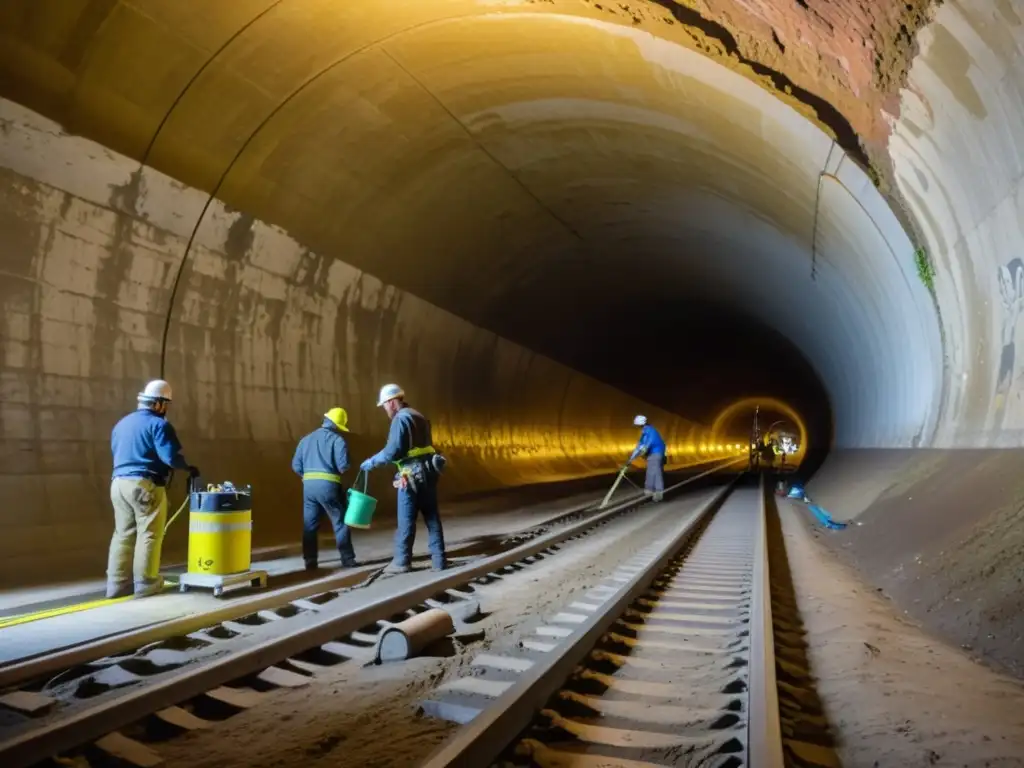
pixel 366 717
pixel 895 697
pixel 945 540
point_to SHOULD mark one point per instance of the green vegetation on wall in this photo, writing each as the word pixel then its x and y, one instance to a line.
pixel 925 270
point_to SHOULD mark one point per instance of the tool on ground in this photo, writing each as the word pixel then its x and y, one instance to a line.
pixel 615 485
pixel 361 506
pixel 220 539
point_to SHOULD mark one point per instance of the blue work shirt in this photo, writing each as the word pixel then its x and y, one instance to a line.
pixel 323 450
pixel 144 444
pixel 650 443
pixel 409 429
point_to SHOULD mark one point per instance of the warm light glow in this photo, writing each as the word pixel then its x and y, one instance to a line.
pixel 703 448
pixel 748 404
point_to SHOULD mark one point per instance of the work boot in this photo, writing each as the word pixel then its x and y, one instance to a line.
pixel 658 496
pixel 394 567
pixel 350 563
pixel 147 588
pixel 441 567
pixel 116 590
pixel 311 566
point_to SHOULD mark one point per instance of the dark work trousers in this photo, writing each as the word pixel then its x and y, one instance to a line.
pixel 423 500
pixel 322 497
pixel 654 482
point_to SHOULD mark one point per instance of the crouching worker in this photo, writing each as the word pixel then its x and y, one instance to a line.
pixel 652 447
pixel 321 458
pixel 419 465
pixel 145 449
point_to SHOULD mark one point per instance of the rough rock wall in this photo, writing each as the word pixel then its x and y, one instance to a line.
pixel 841 62
pixel 267 336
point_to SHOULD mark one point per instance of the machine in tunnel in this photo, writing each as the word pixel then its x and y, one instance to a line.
pixel 280 205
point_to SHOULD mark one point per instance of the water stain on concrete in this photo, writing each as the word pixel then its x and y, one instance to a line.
pixel 951 63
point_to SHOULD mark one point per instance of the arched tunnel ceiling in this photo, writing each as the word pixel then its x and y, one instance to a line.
pixel 525 166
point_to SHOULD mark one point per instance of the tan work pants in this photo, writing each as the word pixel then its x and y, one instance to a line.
pixel 140 510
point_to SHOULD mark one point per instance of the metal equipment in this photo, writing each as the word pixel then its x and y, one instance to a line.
pixel 220 540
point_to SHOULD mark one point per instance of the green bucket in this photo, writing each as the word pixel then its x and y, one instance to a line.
pixel 360 506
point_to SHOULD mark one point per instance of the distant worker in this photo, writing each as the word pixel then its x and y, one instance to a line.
pixel 145 449
pixel 419 466
pixel 321 458
pixel 652 447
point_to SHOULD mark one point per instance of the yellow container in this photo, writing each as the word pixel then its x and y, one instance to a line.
pixel 220 533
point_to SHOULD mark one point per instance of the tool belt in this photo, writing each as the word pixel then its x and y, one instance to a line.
pixel 417 467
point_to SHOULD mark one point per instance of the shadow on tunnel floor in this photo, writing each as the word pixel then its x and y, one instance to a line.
pixel 808 739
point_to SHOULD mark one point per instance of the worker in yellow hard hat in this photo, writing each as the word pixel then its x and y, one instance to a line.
pixel 321 458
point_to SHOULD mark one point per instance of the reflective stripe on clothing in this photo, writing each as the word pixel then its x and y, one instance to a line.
pixel 328 476
pixel 415 453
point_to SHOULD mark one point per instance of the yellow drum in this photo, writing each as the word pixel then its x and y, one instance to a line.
pixel 220 532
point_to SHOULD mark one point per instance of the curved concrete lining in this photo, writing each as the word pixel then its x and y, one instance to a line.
pixel 301 200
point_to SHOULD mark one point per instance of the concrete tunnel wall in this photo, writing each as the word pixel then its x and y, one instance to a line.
pixel 267 336
pixel 516 169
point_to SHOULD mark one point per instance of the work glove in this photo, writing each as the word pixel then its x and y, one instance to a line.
pixel 366 466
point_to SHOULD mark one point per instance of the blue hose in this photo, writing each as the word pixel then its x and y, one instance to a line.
pixel 825 518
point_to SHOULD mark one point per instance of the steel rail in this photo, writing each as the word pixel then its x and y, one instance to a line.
pixel 764 731
pixel 481 741
pixel 65 733
pixel 48 663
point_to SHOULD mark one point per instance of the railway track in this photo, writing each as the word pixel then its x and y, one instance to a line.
pixel 667 662
pixel 182 683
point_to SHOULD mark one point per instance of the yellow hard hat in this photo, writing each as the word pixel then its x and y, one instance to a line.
pixel 340 418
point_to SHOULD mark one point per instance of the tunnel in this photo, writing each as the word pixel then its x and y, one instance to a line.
pixel 541 217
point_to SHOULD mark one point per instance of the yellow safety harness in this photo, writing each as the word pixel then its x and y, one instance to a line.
pixel 416 453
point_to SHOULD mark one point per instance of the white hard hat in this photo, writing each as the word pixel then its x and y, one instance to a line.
pixel 158 389
pixel 639 421
pixel 389 392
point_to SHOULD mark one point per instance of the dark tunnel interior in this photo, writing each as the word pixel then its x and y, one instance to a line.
pixel 281 206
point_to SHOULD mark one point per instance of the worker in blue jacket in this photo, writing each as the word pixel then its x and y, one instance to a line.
pixel 419 465
pixel 145 449
pixel 652 447
pixel 321 458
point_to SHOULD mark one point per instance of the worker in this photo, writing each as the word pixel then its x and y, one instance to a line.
pixel 652 447
pixel 145 450
pixel 419 466
pixel 321 458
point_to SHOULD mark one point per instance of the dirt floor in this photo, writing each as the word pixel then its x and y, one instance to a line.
pixel 367 716
pixel 945 540
pixel 894 696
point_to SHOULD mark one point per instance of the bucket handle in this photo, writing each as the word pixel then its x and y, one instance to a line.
pixel 366 480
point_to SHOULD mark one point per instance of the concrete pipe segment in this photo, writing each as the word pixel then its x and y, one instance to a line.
pixel 540 217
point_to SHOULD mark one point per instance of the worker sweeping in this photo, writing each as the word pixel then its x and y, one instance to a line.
pixel 145 450
pixel 321 458
pixel 419 467
pixel 652 447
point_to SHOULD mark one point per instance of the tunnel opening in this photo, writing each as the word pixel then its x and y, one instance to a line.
pixel 543 241
pixel 541 218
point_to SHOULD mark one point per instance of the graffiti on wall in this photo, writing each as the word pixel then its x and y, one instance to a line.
pixel 1011 292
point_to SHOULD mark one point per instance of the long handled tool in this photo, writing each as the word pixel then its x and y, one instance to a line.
pixel 615 485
